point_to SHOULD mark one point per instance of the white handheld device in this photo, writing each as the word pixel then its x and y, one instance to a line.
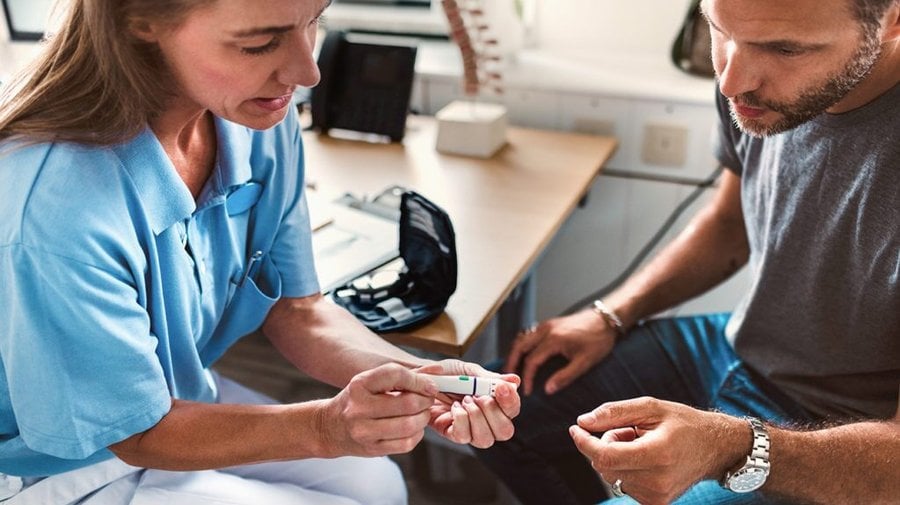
pixel 465 384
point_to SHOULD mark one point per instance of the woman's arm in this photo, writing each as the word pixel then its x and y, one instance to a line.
pixel 327 342
pixel 381 411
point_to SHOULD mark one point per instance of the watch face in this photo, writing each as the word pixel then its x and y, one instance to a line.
pixel 747 479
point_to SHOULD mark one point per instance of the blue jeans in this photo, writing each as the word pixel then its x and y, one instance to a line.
pixel 686 360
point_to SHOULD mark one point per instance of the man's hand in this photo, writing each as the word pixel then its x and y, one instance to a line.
pixel 659 449
pixel 478 421
pixel 381 411
pixel 583 338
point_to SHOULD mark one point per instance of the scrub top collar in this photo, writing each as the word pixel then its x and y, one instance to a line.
pixel 166 198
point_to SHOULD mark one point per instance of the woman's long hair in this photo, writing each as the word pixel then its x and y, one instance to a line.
pixel 95 82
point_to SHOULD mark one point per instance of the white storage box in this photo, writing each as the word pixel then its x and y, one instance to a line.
pixel 471 128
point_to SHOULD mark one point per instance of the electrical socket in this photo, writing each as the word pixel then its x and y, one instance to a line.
pixel 665 145
pixel 594 126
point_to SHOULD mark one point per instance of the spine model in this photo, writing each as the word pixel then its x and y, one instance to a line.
pixel 471 32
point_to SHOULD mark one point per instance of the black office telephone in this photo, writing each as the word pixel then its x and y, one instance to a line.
pixel 366 84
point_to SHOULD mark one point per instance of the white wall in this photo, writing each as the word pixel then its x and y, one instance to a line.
pixel 13 55
pixel 584 28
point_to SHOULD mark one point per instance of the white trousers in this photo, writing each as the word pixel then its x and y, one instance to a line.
pixel 340 481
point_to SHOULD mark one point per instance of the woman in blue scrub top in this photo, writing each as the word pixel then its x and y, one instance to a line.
pixel 151 172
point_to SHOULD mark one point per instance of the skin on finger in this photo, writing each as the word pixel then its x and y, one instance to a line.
pixel 586 443
pixel 481 434
pixel 394 377
pixel 618 455
pixel 370 431
pixel 641 412
pixel 520 347
pixel 507 398
pixel 459 431
pixel 500 424
pixel 566 375
pixel 619 435
pixel 534 361
pixel 397 444
pixel 395 404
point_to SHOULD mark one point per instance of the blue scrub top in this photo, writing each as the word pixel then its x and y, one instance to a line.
pixel 118 290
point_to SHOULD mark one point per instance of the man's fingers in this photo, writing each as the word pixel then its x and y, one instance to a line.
pixel 566 375
pixel 628 434
pixel 586 443
pixel 534 361
pixel 522 345
pixel 641 412
pixel 612 453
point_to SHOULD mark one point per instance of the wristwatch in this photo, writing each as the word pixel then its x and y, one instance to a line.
pixel 752 474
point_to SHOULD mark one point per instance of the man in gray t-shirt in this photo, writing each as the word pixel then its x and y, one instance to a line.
pixel 821 205
pixel 793 397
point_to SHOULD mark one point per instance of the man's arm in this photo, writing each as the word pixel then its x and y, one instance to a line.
pixel 853 463
pixel 659 449
pixel 711 249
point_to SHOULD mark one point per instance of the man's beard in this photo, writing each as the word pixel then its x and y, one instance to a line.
pixel 814 100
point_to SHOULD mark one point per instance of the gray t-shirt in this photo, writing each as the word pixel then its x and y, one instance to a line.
pixel 821 203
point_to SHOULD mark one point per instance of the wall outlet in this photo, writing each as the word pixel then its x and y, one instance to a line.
pixel 665 145
pixel 594 126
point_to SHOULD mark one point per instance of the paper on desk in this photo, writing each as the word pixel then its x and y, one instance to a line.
pixel 351 244
pixel 320 214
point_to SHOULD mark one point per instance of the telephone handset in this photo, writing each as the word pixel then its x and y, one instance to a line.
pixel 366 83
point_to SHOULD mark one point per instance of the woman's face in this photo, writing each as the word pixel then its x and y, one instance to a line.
pixel 242 59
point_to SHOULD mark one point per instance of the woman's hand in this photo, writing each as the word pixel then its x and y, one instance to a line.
pixel 658 449
pixel 479 421
pixel 583 338
pixel 381 411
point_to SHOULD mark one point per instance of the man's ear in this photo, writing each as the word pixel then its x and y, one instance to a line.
pixel 892 28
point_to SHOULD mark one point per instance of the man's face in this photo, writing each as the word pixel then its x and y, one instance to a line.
pixel 782 63
pixel 243 59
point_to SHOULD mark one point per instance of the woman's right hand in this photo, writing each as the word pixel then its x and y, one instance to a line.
pixel 584 338
pixel 381 411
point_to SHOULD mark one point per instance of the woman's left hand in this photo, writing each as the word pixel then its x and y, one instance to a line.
pixel 479 421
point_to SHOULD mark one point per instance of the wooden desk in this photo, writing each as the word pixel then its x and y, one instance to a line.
pixel 505 210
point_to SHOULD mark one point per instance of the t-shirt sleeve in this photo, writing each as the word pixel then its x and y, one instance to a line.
pixel 727 135
pixel 292 249
pixel 80 361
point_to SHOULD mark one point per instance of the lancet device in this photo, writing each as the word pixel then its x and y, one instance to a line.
pixel 465 384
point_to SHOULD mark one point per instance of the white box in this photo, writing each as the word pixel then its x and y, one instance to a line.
pixel 471 128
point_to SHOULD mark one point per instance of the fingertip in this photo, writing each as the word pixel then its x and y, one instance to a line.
pixel 550 388
pixel 512 378
pixel 585 419
pixel 574 431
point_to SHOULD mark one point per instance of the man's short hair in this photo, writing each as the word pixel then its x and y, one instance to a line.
pixel 870 12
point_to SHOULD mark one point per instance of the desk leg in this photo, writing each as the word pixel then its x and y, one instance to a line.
pixel 516 313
